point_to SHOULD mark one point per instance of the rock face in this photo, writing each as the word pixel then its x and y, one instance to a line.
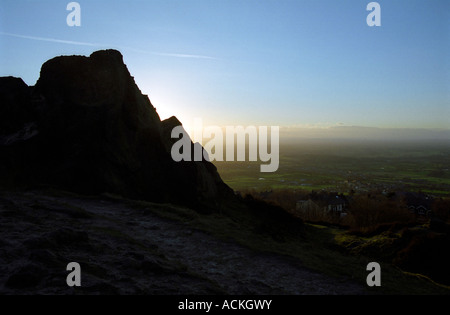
pixel 15 109
pixel 87 127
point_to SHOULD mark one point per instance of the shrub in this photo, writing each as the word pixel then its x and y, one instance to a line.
pixel 368 212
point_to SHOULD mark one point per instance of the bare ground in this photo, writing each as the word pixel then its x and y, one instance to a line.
pixel 126 250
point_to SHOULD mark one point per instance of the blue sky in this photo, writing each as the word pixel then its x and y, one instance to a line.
pixel 255 62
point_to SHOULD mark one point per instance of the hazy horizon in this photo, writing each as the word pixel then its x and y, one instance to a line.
pixel 313 66
pixel 365 133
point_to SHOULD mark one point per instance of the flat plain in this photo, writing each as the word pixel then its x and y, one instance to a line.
pixel 343 166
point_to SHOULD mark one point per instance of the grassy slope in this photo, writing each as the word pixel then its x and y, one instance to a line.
pixel 317 247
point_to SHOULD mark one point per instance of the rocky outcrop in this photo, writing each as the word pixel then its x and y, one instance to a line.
pixel 85 126
pixel 15 107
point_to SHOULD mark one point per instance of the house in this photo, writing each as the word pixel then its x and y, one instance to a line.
pixel 337 204
pixel 307 205
pixel 324 203
pixel 418 203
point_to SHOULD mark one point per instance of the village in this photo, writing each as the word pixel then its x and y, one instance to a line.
pixel 337 205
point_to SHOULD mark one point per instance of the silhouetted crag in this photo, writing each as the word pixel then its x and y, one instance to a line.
pixel 87 127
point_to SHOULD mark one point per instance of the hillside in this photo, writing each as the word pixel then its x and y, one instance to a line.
pixel 135 247
pixel 127 247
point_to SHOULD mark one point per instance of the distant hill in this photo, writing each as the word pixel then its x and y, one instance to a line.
pixel 86 127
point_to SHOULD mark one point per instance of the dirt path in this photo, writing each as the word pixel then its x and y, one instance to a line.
pixel 129 252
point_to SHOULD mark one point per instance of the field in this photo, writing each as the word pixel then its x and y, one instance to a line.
pixel 376 227
pixel 343 166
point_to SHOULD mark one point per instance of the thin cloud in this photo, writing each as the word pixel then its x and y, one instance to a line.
pixel 53 40
pixel 69 42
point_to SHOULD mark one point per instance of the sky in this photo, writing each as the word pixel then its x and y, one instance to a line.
pixel 294 63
